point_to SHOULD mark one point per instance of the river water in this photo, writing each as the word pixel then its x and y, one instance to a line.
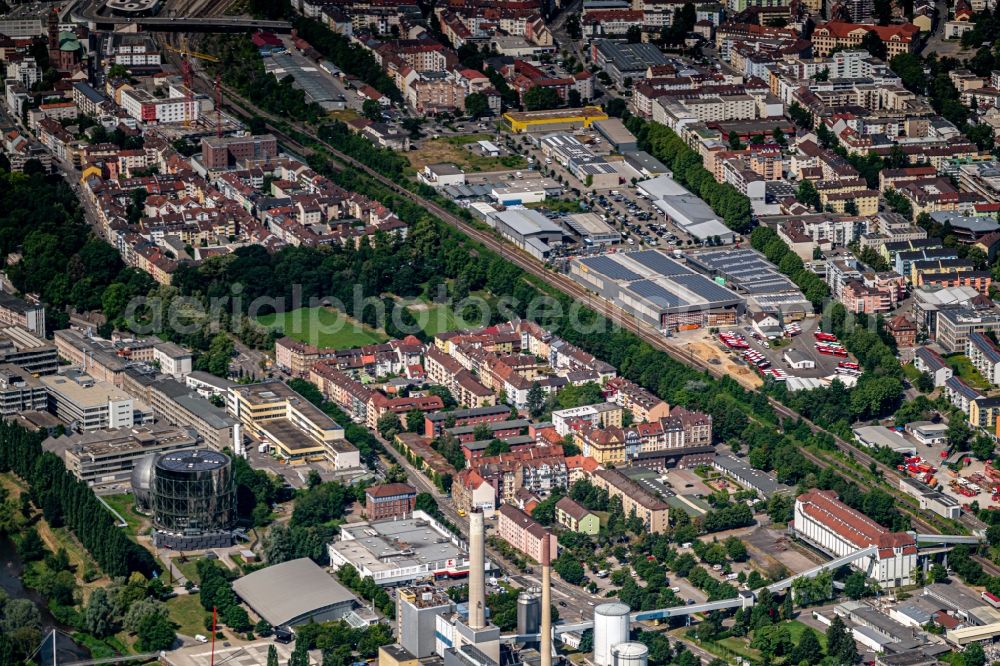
pixel 10 582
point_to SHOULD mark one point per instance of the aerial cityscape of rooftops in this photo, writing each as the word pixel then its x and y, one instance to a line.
pixel 500 332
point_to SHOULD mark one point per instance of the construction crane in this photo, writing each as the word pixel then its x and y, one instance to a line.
pixel 187 72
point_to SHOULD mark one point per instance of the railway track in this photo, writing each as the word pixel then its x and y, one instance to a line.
pixel 616 315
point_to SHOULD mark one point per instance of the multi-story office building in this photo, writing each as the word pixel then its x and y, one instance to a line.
pixel 294 427
pixel 182 405
pixel 15 311
pixel 954 325
pixel 27 351
pixel 20 392
pixel 101 457
pixel 86 404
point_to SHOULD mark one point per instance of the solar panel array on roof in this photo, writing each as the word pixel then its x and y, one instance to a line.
pixel 610 268
pixel 659 262
pixel 656 294
pixel 466 191
pixel 705 288
pixel 747 269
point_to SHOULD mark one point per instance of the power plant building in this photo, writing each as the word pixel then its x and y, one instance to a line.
pixel 824 521
pixel 417 611
pixel 470 639
pixel 658 290
pixel 611 627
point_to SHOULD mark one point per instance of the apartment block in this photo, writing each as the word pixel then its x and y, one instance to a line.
pixel 524 533
pixel 984 355
pixel 653 511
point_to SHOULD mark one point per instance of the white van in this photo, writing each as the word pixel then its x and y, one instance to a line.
pixel 200 638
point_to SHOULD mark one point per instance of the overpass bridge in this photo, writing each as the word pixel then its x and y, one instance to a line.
pixel 953 539
pixel 746 599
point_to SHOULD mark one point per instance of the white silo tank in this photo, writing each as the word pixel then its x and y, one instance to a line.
pixel 611 627
pixel 630 653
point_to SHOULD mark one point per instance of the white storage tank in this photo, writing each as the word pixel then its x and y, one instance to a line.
pixel 629 654
pixel 611 627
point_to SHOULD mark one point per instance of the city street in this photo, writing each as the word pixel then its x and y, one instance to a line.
pixel 578 601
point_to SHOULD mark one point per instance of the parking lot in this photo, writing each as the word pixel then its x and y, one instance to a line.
pixel 639 221
pixel 803 343
pixel 973 473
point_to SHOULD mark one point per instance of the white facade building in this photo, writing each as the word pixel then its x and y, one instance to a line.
pixel 826 522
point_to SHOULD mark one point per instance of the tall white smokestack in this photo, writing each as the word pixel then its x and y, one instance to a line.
pixel 546 638
pixel 477 570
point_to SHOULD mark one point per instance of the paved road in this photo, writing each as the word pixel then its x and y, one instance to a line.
pixel 578 601
pixel 612 312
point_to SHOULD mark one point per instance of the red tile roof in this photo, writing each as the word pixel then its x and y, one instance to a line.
pixel 853 526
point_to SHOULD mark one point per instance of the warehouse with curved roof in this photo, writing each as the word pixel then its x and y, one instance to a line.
pixel 293 593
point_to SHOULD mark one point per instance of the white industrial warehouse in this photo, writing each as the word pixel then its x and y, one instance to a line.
pixel 686 210
pixel 824 521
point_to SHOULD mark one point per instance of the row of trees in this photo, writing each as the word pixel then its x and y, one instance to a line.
pixel 216 590
pixel 688 169
pixel 242 68
pixel 67 501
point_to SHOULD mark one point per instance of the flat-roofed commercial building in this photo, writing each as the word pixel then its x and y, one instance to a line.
pixel 16 311
pixel 101 457
pixel 293 426
pixel 658 290
pixel 930 499
pixel 27 351
pixel 683 208
pixel 592 230
pixel 588 168
pixel 86 404
pixel 748 272
pixel 553 119
pixel 614 130
pixel 399 551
